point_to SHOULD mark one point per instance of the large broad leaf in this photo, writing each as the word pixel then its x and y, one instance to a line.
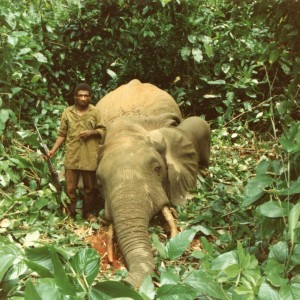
pixel 112 290
pixel 178 244
pixel 147 289
pixel 159 246
pixel 273 209
pixel 290 140
pixel 293 221
pixel 4 115
pixel 205 284
pixel 176 292
pixel 168 276
pixel 255 189
pixel 10 255
pixel 86 264
pixel 225 260
pixel 293 189
pixel 39 260
pixel 290 291
pixel 60 276
pixel 31 292
pixel 6 261
pixel 266 292
pixel 43 289
pixel 279 251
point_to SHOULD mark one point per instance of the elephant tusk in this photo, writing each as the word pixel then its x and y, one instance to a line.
pixel 110 249
pixel 171 221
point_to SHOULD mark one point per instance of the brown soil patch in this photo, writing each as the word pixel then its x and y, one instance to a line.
pixel 98 241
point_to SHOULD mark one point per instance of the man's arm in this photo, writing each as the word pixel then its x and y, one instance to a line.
pixel 57 144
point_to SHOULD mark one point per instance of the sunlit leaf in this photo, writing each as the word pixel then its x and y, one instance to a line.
pixel 60 276
pixel 178 244
pixel 31 292
pixel 224 260
pixel 205 284
pixel 290 291
pixel 293 221
pixel 176 292
pixel 197 54
pixel 266 292
pixel 86 264
pixel 4 115
pixel 147 289
pixel 111 73
pixel 255 188
pixel 273 209
pixel 40 57
pixel 39 260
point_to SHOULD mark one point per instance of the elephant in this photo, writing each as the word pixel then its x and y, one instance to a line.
pixel 149 159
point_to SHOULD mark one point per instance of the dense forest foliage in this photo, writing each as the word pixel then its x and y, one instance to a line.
pixel 236 63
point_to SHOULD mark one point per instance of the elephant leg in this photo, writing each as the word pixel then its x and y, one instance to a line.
pixel 171 221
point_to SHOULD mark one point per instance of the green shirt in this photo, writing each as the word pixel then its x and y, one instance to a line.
pixel 81 154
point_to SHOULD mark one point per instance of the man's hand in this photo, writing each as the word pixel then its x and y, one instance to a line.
pixel 87 133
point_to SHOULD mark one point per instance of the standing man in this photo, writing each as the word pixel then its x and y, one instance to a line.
pixel 82 130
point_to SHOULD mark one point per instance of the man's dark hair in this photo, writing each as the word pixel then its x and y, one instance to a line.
pixel 82 87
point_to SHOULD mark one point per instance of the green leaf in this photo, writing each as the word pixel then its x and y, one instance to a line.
pixel 266 292
pixel 293 189
pixel 185 53
pixel 39 260
pixel 178 244
pixel 44 289
pixel 255 189
pixel 205 284
pixel 224 260
pixel 277 280
pixel 290 291
pixel 293 220
pixel 176 292
pixel 273 209
pixel 31 292
pixel 232 271
pixel 10 255
pixel 86 264
pixel 40 57
pixel 147 289
pixel 279 251
pixel 11 20
pixel 159 246
pixel 217 82
pixel 197 54
pixel 262 167
pixel 6 261
pixel 112 290
pixel 4 115
pixel 274 55
pixel 208 50
pixel 61 279
pixel 111 73
pixel 168 276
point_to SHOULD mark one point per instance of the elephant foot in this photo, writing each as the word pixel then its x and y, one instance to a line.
pixel 170 219
pixel 109 246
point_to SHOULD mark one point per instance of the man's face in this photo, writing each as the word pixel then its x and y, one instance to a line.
pixel 82 98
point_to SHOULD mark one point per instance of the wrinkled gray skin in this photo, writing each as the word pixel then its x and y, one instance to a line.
pixel 150 158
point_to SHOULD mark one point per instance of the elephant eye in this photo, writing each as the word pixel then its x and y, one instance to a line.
pixel 157 170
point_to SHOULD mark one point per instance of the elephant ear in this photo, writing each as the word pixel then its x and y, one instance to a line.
pixel 182 161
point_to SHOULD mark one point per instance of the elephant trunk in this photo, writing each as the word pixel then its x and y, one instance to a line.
pixel 131 227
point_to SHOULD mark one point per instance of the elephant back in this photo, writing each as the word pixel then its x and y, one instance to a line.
pixel 136 99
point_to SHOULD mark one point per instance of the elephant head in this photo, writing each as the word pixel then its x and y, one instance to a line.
pixel 144 164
